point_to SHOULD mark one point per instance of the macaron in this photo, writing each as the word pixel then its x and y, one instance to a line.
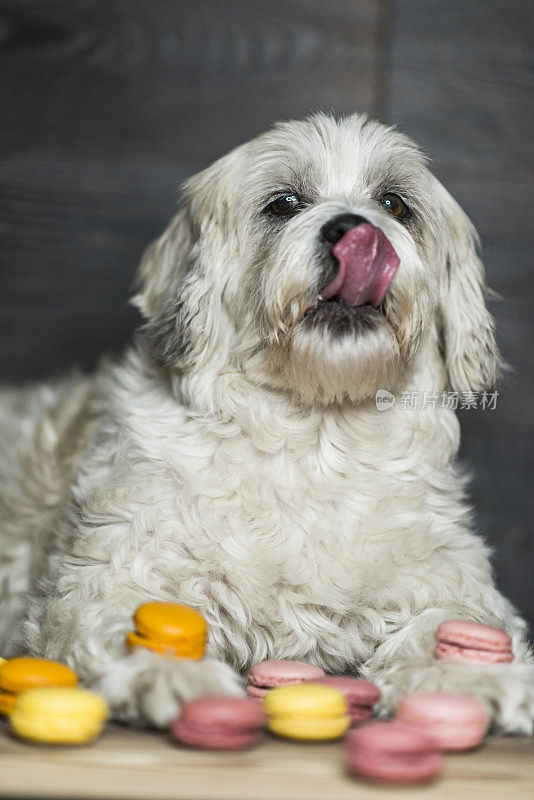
pixel 472 642
pixel 169 629
pixel 66 715
pixel 7 702
pixel 361 695
pixel 307 711
pixel 270 674
pixel 455 721
pixel 392 753
pixel 219 723
pixel 25 672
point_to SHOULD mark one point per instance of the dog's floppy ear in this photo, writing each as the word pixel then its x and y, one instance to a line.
pixel 178 294
pixel 467 327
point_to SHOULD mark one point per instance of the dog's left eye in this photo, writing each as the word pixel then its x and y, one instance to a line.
pixel 395 205
pixel 284 205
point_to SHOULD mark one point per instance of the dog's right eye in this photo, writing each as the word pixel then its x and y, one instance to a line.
pixel 284 205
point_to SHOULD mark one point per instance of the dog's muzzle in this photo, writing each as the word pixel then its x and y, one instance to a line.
pixel 366 261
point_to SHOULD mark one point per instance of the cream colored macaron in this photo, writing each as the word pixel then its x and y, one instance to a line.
pixel 66 715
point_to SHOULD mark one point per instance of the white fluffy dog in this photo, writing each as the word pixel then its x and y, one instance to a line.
pixel 234 459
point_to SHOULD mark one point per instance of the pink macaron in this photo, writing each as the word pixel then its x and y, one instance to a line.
pixel 361 695
pixel 455 721
pixel 219 723
pixel 269 674
pixel 393 753
pixel 472 642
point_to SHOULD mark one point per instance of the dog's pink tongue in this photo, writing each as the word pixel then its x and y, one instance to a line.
pixel 367 264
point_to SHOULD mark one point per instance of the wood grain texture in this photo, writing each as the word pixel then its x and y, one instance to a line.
pixel 462 80
pixel 134 765
pixel 73 234
pixel 192 78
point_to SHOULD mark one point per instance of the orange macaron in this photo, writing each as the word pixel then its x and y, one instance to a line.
pixel 169 629
pixel 25 672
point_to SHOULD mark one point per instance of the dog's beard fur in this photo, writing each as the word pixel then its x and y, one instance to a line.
pixel 325 351
pixel 337 355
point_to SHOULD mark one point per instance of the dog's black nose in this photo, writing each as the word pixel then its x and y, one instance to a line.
pixel 335 228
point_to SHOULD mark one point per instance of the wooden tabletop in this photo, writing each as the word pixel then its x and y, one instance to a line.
pixel 139 765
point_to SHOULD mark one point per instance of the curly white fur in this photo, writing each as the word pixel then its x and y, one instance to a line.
pixel 234 460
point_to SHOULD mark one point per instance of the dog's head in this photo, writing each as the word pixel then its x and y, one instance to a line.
pixel 317 259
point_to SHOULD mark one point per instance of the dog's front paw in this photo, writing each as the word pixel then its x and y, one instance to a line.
pixel 507 690
pixel 146 689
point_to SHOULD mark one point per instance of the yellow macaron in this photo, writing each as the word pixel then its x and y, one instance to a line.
pixel 25 672
pixel 66 715
pixel 170 629
pixel 307 711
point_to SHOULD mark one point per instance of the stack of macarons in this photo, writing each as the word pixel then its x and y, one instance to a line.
pixel 19 674
pixel 169 629
pixel 44 703
pixel 269 676
pixel 295 699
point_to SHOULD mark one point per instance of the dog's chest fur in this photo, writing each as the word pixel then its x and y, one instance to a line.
pixel 280 530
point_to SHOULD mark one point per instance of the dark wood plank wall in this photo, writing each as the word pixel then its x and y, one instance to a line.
pixel 106 105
